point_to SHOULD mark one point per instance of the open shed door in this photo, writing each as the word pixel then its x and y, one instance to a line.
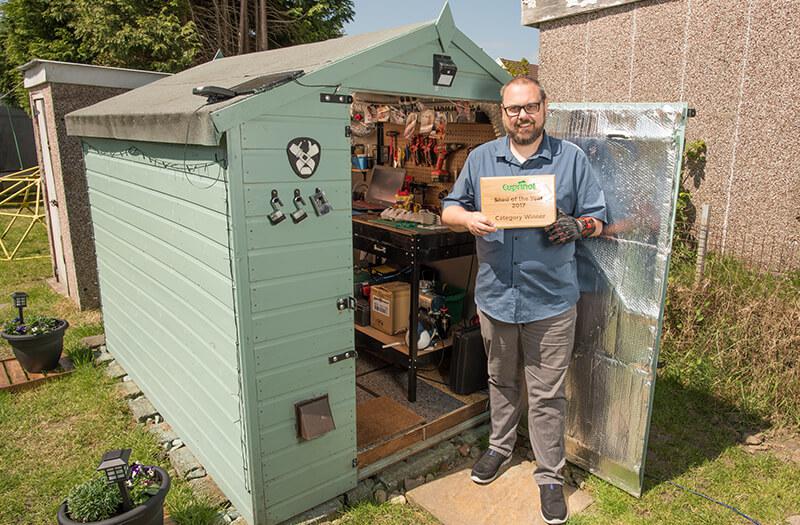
pixel 636 151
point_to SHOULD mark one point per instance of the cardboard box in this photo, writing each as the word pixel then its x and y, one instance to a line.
pixel 390 305
pixel 527 201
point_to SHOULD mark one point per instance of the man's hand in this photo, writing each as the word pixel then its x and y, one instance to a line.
pixel 478 224
pixel 569 229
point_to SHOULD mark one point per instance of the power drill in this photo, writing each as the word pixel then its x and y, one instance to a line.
pixel 443 150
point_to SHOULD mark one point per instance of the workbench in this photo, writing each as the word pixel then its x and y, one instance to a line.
pixel 406 245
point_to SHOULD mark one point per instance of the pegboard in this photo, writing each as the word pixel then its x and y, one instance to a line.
pixel 469 134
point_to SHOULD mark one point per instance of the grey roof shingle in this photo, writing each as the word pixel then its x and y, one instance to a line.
pixel 167 111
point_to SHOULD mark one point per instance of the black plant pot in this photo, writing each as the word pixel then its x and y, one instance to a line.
pixel 149 513
pixel 38 352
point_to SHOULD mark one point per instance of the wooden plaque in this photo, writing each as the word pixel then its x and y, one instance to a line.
pixel 527 201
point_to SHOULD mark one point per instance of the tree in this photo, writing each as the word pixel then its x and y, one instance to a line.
pixel 137 34
pixel 241 26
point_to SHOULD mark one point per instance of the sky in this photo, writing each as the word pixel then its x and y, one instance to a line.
pixel 492 24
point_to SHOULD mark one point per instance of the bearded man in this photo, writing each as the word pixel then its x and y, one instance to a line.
pixel 527 286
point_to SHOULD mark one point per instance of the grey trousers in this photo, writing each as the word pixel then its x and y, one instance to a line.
pixel 533 358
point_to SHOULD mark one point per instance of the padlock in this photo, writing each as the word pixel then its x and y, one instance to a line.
pixel 299 213
pixel 320 203
pixel 277 215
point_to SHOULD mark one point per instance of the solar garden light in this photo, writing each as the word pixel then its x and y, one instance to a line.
pixel 444 70
pixel 115 466
pixel 20 301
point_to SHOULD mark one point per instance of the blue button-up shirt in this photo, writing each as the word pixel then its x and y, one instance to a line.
pixel 523 277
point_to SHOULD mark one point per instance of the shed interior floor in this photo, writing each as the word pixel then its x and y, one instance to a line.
pixel 383 412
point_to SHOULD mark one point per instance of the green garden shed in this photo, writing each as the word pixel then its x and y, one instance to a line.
pixel 229 319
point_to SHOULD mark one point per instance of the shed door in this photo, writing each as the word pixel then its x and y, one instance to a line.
pixel 635 150
pixel 59 265
pixel 300 267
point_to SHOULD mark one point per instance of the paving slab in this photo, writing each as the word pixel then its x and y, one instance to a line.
pixel 163 433
pixel 206 487
pixel 141 408
pixel 129 389
pixel 511 499
pixel 94 341
pixel 183 461
pixel 115 371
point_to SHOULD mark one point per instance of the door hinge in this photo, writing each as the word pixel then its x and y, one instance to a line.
pixel 355 462
pixel 341 357
pixel 347 131
pixel 345 303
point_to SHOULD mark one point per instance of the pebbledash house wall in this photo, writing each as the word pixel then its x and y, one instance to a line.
pixel 70 185
pixel 736 63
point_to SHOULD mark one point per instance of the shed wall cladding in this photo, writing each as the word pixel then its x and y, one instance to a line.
pixel 165 274
pixel 737 63
pixel 296 274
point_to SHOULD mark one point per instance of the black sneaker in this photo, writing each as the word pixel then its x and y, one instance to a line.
pixel 488 467
pixel 554 508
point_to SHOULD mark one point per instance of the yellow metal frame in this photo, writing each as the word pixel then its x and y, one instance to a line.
pixel 28 184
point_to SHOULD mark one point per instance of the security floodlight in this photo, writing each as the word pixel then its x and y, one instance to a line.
pixel 115 467
pixel 20 302
pixel 444 70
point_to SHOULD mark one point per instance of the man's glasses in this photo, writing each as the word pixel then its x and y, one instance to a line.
pixel 530 109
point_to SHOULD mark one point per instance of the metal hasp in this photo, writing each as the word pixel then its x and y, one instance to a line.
pixel 346 303
pixel 635 151
pixel 341 357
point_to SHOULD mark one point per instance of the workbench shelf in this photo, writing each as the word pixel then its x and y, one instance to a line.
pixel 411 247
pixel 387 339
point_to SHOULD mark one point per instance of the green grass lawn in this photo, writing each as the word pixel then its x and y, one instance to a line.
pixel 53 436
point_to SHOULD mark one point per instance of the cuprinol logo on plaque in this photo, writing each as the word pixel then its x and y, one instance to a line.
pixel 520 186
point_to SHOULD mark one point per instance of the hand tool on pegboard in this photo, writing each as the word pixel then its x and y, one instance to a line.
pixel 394 157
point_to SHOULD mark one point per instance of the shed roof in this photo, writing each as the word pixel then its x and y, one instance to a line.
pixel 167 111
pixel 39 71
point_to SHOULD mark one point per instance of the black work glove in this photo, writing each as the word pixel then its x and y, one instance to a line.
pixel 569 229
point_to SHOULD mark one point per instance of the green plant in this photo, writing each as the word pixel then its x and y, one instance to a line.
pixel 143 483
pixel 36 325
pixel 81 355
pixel 93 500
pixel 694 158
pixel 736 335
pixel 187 509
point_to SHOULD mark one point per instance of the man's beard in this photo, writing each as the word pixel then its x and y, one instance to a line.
pixel 526 138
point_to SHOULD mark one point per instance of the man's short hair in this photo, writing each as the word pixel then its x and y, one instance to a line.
pixel 524 79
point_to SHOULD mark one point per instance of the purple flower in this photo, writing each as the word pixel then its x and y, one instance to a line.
pixel 21 329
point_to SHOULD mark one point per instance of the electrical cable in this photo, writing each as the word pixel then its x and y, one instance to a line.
pixel 709 498
pixel 185 149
